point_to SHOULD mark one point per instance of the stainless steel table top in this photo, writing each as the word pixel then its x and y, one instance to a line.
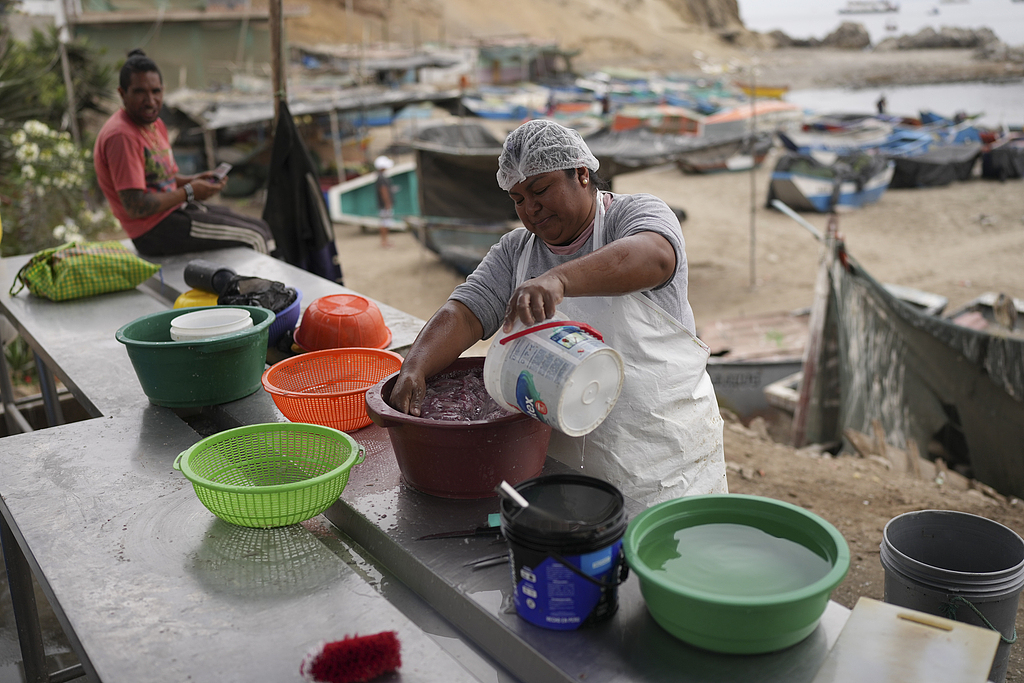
pixel 151 586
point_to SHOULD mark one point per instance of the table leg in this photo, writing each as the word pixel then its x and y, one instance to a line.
pixel 48 388
pixel 23 601
pixel 16 422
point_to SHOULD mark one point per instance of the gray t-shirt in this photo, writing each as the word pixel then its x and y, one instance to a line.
pixel 488 289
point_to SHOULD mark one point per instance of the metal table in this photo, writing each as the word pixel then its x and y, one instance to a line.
pixel 150 586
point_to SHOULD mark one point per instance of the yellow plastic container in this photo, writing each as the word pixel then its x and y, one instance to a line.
pixel 195 297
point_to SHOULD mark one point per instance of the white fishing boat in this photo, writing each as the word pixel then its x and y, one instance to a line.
pixel 869 7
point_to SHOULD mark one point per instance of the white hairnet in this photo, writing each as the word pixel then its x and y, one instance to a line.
pixel 382 163
pixel 539 146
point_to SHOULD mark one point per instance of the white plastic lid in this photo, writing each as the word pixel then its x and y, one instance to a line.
pixel 209 322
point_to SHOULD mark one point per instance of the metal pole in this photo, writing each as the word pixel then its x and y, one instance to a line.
pixel 753 184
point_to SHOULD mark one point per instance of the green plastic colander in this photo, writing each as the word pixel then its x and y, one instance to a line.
pixel 269 475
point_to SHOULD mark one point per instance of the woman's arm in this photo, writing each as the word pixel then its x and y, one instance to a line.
pixel 631 264
pixel 449 332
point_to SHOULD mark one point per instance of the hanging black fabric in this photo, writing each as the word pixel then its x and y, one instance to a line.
pixel 295 207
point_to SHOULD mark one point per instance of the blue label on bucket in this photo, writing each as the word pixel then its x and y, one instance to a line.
pixel 528 398
pixel 555 597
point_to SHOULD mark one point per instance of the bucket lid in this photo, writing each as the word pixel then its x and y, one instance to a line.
pixel 587 512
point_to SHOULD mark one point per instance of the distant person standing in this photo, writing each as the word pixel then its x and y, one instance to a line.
pixel 160 209
pixel 385 197
pixel 881 104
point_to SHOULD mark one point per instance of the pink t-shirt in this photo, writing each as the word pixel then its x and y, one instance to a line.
pixel 130 157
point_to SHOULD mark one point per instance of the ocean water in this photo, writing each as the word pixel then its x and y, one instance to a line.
pixel 818 18
pixel 999 104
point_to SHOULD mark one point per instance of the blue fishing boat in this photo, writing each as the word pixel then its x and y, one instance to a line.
pixel 355 201
pixel 806 184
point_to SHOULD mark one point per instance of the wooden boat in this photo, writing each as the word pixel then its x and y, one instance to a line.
pixel 1004 158
pixel 459 243
pixel 756 115
pixel 869 7
pixel 749 353
pixel 772 92
pixel 739 153
pixel 937 167
pixel 805 184
pixel 354 202
pixel 463 212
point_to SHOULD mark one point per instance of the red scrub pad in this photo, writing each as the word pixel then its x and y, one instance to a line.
pixel 353 660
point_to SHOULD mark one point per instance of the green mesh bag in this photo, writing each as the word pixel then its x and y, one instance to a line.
pixel 72 271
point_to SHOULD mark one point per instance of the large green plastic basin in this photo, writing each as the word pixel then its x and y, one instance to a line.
pixel 713 614
pixel 190 374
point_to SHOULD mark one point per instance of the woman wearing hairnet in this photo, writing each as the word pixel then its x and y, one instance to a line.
pixel 618 263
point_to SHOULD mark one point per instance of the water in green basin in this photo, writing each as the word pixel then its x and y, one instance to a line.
pixel 732 559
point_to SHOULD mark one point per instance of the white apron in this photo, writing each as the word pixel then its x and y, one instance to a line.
pixel 663 438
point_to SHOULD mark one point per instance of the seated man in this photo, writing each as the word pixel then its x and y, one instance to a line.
pixel 161 210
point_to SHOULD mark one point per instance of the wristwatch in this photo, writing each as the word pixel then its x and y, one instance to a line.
pixel 190 196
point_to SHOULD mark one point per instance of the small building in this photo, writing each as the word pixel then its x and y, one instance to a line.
pixel 197 44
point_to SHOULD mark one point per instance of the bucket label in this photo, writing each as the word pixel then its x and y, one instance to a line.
pixel 528 398
pixel 554 596
pixel 569 337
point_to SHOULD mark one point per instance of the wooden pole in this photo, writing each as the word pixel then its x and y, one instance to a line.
pixel 64 35
pixel 278 77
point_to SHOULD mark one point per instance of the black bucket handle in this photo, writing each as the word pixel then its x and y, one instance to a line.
pixel 623 571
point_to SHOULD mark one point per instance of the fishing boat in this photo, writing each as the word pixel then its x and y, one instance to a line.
pixel 463 212
pixel 735 153
pixel 754 115
pixel 772 92
pixel 1004 158
pixel 354 202
pixel 462 244
pixel 806 184
pixel 937 167
pixel 869 7
pixel 751 352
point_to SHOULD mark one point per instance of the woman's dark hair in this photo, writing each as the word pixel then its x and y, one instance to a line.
pixel 137 63
pixel 599 182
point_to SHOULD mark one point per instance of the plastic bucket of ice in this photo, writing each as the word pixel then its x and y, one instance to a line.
pixel 560 372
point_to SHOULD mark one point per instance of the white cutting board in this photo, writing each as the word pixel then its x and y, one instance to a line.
pixel 883 643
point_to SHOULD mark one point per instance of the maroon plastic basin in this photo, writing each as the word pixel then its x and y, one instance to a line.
pixel 460 459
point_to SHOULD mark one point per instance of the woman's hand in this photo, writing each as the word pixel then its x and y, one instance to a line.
pixel 449 332
pixel 407 394
pixel 534 301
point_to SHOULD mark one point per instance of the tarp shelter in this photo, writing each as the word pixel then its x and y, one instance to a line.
pixel 295 208
pixel 922 377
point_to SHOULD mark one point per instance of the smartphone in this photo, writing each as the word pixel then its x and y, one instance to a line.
pixel 221 171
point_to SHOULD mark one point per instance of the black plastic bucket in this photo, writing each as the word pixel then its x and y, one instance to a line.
pixel 566 570
pixel 959 566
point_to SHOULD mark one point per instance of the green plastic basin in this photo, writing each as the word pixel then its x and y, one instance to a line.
pixel 732 594
pixel 194 373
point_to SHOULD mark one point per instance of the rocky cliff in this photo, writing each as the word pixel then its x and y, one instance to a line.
pixel 633 33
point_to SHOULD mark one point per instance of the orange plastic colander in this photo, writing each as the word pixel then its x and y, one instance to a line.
pixel 328 387
pixel 341 321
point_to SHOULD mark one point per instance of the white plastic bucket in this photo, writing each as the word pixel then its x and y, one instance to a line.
pixel 209 322
pixel 560 372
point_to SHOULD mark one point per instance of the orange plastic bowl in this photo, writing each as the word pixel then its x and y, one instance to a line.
pixel 328 387
pixel 339 321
